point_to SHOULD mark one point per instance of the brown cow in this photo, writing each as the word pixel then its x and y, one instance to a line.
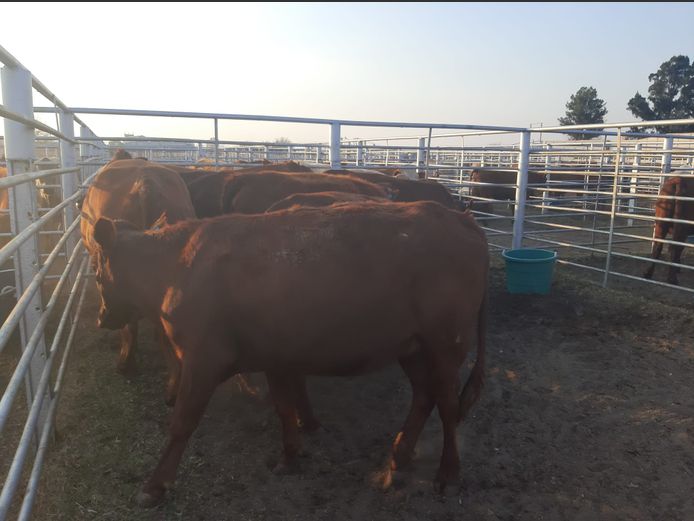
pixel 138 192
pixel 225 291
pixel 318 199
pixel 406 190
pixel 500 193
pixel 672 209
pixel 206 188
pixel 121 154
pixel 256 192
pixel 284 166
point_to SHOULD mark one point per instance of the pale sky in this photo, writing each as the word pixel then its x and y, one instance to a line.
pixel 466 63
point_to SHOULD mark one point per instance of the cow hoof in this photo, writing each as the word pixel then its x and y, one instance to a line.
pixel 311 426
pixel 444 479
pixel 401 460
pixel 171 394
pixel 126 367
pixel 383 479
pixel 149 499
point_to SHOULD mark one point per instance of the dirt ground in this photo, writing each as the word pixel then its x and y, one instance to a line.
pixel 587 414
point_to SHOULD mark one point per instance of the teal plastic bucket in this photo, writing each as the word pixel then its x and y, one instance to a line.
pixel 529 270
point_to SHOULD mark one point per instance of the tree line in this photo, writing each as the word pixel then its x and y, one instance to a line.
pixel 670 96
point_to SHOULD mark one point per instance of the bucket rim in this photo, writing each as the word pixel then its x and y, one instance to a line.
pixel 505 254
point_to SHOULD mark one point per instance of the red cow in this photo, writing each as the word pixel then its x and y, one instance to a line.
pixel 499 193
pixel 256 192
pixel 406 190
pixel 226 292
pixel 672 209
pixel 138 192
pixel 319 199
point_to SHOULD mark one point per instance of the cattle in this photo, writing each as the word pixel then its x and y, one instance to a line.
pixel 206 187
pixel 284 166
pixel 406 190
pixel 121 154
pixel 494 178
pixel 138 192
pixel 256 192
pixel 259 292
pixel 318 199
pixel 672 209
pixel 493 191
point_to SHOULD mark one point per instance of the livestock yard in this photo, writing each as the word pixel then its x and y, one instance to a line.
pixel 585 413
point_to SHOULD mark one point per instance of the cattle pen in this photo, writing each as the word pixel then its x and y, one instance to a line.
pixel 596 206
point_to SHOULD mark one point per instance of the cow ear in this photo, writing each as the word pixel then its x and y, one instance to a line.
pixel 160 222
pixel 105 234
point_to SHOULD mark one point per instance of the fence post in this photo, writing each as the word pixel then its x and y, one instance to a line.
pixel 68 157
pixel 216 142
pixel 19 152
pixel 545 193
pixel 360 153
pixel 615 193
pixel 634 181
pixel 667 158
pixel 335 146
pixel 421 157
pixel 521 189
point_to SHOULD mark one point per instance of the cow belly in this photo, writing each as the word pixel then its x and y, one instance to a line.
pixel 328 359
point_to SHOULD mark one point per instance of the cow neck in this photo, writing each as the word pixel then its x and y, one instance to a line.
pixel 154 271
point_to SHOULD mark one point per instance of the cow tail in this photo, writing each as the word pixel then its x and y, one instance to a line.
pixel 475 382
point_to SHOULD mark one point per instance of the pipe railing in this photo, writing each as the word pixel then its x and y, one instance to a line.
pixel 31 266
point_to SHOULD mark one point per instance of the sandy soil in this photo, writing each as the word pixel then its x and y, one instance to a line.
pixel 587 414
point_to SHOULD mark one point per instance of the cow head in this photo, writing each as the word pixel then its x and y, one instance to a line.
pixel 111 269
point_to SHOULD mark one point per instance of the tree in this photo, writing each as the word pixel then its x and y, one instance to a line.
pixel 670 96
pixel 283 141
pixel 584 107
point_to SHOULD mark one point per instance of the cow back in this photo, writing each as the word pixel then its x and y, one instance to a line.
pixel 256 192
pixel 135 191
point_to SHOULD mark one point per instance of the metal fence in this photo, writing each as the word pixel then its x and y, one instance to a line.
pixel 43 273
pixel 592 200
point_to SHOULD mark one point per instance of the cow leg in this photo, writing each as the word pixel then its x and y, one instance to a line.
pixel 417 370
pixel 309 423
pixel 679 233
pixel 128 344
pixel 283 392
pixel 446 383
pixel 660 232
pixel 244 386
pixel 173 365
pixel 199 378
